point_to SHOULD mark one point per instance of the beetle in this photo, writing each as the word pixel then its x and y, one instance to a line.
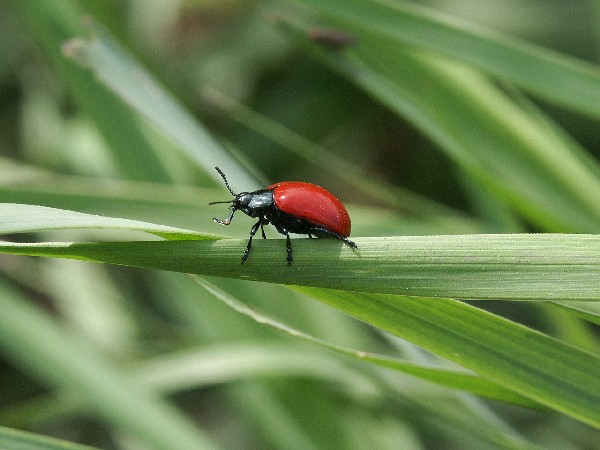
pixel 291 207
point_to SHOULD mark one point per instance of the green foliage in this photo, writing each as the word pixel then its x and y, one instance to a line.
pixel 437 134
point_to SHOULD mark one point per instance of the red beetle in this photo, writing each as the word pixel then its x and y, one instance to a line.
pixel 292 207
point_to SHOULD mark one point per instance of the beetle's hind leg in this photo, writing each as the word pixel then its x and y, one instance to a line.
pixel 288 244
pixel 322 231
pixel 348 242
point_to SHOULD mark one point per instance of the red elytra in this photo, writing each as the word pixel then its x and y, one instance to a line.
pixel 312 203
pixel 291 207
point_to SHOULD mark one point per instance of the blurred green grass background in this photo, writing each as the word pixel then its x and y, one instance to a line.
pixel 424 125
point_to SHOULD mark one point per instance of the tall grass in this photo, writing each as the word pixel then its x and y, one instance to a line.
pixel 449 142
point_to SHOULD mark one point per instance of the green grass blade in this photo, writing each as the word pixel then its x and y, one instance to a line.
pixel 554 76
pixel 239 361
pixel 509 267
pixel 21 440
pixel 530 363
pixel 586 311
pixel 122 74
pixel 435 271
pixel 51 23
pixel 29 218
pixel 444 377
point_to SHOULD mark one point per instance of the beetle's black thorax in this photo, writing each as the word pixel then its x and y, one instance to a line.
pixel 255 204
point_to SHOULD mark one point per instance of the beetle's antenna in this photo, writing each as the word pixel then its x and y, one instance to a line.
pixel 225 180
pixel 226 201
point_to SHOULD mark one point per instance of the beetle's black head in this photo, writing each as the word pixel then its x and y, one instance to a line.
pixel 240 201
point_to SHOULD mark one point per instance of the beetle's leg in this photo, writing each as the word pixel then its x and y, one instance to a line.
pixel 226 221
pixel 253 231
pixel 262 229
pixel 348 242
pixel 288 244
